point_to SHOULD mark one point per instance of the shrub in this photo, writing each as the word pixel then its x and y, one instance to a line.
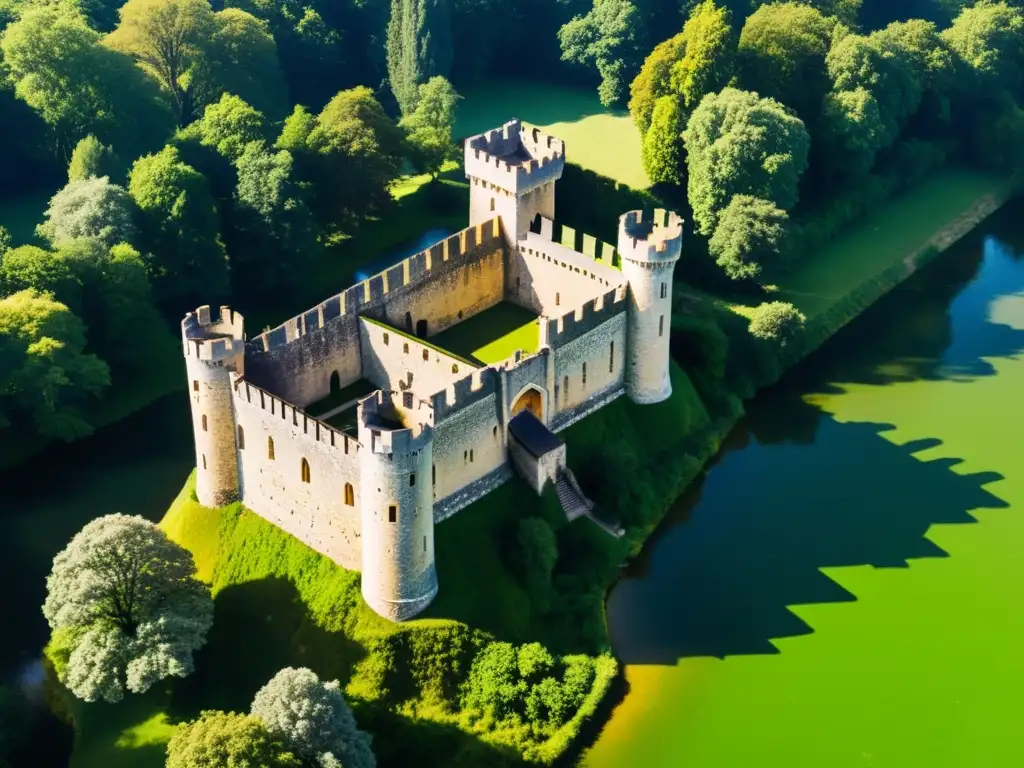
pixel 776 321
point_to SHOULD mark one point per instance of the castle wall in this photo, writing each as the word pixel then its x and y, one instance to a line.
pixel 396 362
pixel 603 350
pixel 313 512
pixel 449 282
pixel 468 446
pixel 533 371
pixel 551 279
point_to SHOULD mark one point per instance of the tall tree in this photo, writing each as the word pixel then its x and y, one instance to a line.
pixel 125 607
pixel 782 51
pixel 178 230
pixel 430 124
pixel 197 54
pixel 661 149
pixel 228 126
pixel 46 377
pixel 655 79
pixel 313 718
pixel 707 66
pixel 167 38
pixel 79 87
pixel 739 143
pixel 91 158
pixel 93 208
pixel 419 46
pixel 748 238
pixel 275 238
pixel 605 38
pixel 989 37
pixel 227 740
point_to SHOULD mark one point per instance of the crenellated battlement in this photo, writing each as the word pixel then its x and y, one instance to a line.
pixel 558 331
pixel 370 293
pixel 464 392
pixel 248 395
pixel 205 337
pixel 514 157
pixel 656 238
pixel 395 422
pixel 540 245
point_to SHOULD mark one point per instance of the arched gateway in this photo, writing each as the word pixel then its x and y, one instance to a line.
pixel 530 399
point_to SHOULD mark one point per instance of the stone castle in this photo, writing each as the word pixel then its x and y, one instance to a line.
pixel 405 433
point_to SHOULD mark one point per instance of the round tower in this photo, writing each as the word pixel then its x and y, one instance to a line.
pixel 649 248
pixel 396 505
pixel 214 350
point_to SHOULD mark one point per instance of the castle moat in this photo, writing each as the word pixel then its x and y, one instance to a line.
pixel 843 588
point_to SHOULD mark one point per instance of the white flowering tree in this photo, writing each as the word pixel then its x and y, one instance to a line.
pixel 125 607
pixel 314 719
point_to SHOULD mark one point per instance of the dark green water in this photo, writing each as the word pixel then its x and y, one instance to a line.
pixel 845 587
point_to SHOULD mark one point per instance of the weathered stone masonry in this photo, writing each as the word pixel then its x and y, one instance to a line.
pixel 435 436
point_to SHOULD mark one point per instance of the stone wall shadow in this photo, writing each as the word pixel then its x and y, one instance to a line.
pixel 750 540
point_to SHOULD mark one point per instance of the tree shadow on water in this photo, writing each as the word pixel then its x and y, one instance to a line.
pixel 719 578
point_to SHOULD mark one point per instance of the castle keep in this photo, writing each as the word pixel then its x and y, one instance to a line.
pixel 354 428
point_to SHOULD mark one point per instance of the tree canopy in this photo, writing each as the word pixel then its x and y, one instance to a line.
pixel 419 47
pixel 430 124
pixel 313 718
pixel 227 740
pixel 46 377
pixel 92 208
pixel 605 38
pixel 777 321
pixel 739 143
pixel 748 237
pixel 125 607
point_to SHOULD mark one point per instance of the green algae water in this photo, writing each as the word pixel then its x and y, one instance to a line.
pixel 846 586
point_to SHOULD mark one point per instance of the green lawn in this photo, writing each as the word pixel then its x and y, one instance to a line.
pixel 493 335
pixel 885 237
pixel 596 138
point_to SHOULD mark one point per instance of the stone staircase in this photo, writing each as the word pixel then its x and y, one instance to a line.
pixel 572 502
pixel 576 505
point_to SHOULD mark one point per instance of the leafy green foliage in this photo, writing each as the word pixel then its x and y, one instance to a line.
pixel 709 60
pixel 430 124
pixel 313 718
pixel 197 54
pixel 78 86
pixel 537 554
pixel 989 37
pixel 227 740
pixel 782 50
pixel 93 208
pixel 179 229
pixel 776 321
pixel 654 79
pixel 227 126
pixel 662 147
pixel 419 46
pixel 352 139
pixel 127 606
pixel 46 377
pixel 749 237
pixel 604 38
pixel 739 143
pixel 91 158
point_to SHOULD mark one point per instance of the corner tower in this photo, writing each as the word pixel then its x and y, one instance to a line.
pixel 512 172
pixel 649 249
pixel 214 349
pixel 397 504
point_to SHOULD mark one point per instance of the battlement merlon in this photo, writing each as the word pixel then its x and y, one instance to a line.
pixel 514 157
pixel 656 239
pixel 463 393
pixel 208 338
pixel 379 415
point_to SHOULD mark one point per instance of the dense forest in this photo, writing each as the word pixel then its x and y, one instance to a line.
pixel 208 151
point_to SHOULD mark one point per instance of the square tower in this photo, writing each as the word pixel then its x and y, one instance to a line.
pixel 512 172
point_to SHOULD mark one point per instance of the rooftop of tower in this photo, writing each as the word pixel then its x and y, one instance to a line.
pixel 514 156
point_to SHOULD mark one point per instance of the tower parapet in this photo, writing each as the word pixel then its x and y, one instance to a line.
pixel 397 509
pixel 512 172
pixel 649 248
pixel 214 348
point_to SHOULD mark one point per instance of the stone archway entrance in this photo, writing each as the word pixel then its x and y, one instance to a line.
pixel 530 399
